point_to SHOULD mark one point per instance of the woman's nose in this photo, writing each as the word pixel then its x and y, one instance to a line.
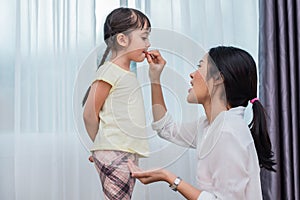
pixel 192 75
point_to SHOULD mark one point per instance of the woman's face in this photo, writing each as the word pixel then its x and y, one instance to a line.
pixel 199 92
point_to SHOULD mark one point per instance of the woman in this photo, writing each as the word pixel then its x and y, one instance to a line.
pixel 229 153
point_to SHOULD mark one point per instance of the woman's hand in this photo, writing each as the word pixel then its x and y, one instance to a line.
pixel 156 64
pixel 150 176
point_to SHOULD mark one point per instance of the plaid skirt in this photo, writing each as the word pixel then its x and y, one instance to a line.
pixel 117 183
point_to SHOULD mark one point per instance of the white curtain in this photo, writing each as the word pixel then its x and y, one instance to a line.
pixel 44 71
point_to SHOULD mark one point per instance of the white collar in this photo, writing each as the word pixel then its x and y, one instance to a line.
pixel 211 133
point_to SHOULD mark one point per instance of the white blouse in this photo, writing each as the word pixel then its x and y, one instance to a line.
pixel 227 162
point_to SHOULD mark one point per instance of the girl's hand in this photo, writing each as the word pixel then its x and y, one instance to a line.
pixel 149 176
pixel 156 64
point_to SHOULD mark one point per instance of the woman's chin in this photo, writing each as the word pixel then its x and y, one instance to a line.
pixel 191 99
pixel 192 102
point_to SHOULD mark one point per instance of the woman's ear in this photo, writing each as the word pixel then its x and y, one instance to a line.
pixel 218 79
pixel 122 40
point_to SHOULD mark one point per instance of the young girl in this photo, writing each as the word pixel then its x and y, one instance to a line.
pixel 114 113
pixel 229 153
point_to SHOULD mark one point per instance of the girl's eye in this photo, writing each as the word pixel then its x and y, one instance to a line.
pixel 144 38
pixel 199 66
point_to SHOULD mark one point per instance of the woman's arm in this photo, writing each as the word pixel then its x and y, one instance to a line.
pixel 156 64
pixel 159 108
pixel 181 134
pixel 96 98
pixel 151 176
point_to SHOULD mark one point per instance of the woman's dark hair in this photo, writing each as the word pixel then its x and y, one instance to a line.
pixel 238 69
pixel 120 20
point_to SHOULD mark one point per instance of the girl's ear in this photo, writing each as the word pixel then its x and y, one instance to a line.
pixel 122 40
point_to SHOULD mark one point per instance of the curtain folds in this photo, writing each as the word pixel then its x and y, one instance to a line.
pixel 279 43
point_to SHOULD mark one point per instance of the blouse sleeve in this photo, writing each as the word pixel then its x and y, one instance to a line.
pixel 206 196
pixel 184 134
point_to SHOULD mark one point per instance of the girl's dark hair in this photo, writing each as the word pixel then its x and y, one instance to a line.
pixel 120 20
pixel 238 69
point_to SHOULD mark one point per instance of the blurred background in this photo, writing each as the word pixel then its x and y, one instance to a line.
pixel 45 48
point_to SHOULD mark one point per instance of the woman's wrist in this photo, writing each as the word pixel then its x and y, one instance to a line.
pixel 155 80
pixel 169 177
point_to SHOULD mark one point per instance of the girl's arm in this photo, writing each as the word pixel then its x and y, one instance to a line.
pixel 156 64
pixel 96 98
pixel 146 177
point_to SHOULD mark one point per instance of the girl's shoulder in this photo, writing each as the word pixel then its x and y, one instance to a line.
pixel 110 69
pixel 106 66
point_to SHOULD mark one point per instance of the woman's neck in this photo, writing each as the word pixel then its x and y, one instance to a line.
pixel 213 108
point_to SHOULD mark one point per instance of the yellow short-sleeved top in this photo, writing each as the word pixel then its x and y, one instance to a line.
pixel 122 118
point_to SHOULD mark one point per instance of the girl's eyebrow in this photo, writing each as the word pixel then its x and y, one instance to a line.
pixel 145 33
pixel 201 61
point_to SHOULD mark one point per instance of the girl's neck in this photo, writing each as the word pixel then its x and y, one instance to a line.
pixel 120 60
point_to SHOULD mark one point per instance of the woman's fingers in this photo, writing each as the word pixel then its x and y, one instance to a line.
pixel 155 53
pixel 133 168
pixel 145 177
pixel 154 57
pixel 149 58
pixel 136 171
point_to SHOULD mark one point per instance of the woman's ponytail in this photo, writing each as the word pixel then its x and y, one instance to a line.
pixel 107 50
pixel 259 131
pixel 239 71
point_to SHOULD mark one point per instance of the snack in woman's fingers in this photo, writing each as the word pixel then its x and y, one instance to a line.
pixel 147 53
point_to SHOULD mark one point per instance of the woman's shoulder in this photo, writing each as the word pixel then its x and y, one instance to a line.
pixel 234 118
pixel 236 126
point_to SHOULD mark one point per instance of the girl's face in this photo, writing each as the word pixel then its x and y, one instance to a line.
pixel 199 93
pixel 139 43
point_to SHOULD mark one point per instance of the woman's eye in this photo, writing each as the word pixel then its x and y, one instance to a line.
pixel 199 66
pixel 144 38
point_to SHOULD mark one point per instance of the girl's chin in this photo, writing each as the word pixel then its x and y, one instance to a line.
pixel 140 58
